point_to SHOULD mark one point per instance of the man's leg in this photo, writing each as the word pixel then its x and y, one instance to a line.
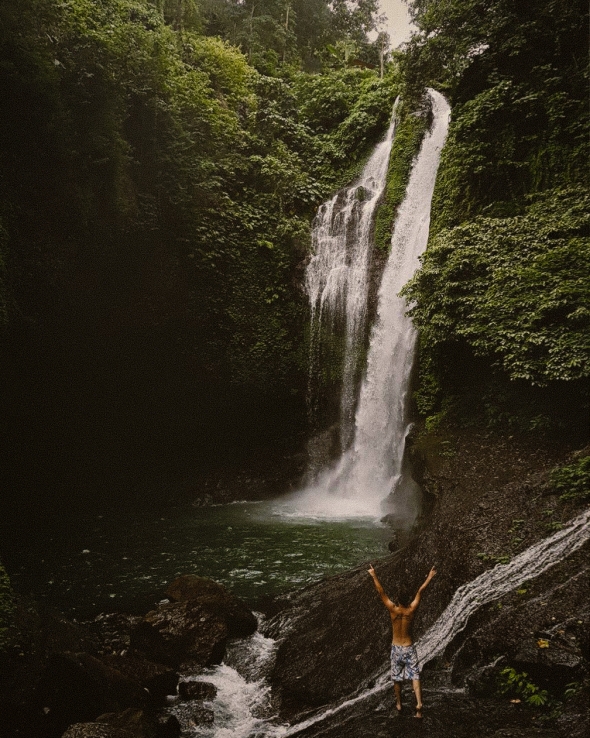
pixel 418 693
pixel 397 688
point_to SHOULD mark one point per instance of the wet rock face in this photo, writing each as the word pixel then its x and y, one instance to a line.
pixel 181 631
pixel 540 629
pixel 330 642
pixel 218 600
pixel 488 499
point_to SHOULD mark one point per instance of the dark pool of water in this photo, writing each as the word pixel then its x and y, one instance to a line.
pixel 113 562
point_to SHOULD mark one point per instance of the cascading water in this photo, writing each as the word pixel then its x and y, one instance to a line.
pixel 337 277
pixel 370 470
pixel 501 580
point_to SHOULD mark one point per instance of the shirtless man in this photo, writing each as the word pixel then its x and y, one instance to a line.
pixel 404 661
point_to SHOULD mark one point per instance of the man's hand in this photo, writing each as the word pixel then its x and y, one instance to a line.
pixel 432 573
pixel 371 570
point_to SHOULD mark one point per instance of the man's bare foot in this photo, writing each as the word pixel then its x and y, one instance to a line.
pixel 418 711
pixel 398 706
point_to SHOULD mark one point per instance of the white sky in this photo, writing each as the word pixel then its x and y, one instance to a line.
pixel 398 21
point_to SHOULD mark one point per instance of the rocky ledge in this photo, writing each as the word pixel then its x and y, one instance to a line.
pixel 486 500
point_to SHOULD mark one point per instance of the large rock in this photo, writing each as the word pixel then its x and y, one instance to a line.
pixel 113 631
pixel 179 632
pixel 216 599
pixel 76 687
pixel 331 638
pixel 195 625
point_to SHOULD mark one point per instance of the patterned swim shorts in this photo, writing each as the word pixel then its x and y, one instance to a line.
pixel 404 663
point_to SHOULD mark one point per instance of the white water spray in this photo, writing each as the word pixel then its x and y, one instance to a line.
pixel 337 277
pixel 371 469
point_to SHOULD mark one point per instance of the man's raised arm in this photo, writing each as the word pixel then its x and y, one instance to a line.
pixel 416 601
pixel 386 601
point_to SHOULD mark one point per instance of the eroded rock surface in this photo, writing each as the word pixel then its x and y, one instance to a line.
pixel 486 501
pixel 217 599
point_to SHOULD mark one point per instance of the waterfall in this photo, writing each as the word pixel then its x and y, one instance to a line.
pixel 337 277
pixel 370 469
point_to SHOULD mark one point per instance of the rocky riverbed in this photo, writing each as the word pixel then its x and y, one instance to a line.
pixel 486 500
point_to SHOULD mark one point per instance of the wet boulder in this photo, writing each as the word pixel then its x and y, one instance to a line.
pixel 180 632
pixel 113 631
pixel 158 680
pixel 217 600
pixel 331 640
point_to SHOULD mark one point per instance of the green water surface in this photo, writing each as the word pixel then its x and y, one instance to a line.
pixel 112 562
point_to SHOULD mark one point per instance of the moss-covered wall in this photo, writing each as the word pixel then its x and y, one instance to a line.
pixel 502 295
pixel 408 137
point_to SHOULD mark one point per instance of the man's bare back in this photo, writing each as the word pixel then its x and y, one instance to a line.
pixel 401 622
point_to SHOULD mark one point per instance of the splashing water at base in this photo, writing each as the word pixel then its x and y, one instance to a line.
pixel 242 706
pixel 372 468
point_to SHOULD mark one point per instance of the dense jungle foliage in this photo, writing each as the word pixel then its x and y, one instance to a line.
pixel 161 163
pixel 502 298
